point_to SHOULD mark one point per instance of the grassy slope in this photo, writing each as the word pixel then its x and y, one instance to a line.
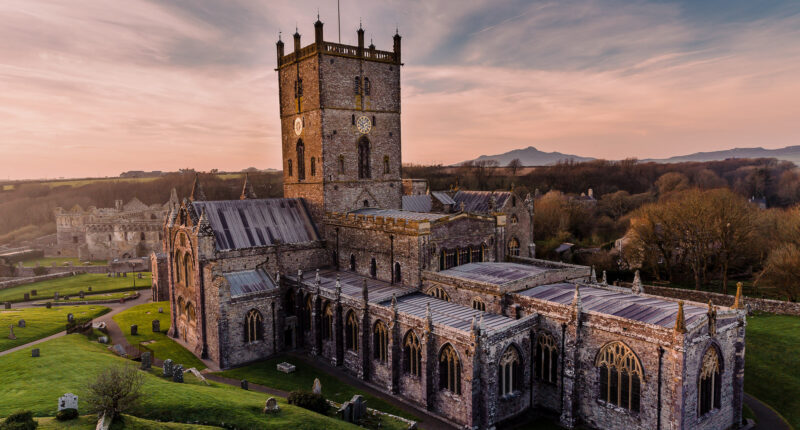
pixel 89 422
pixel 72 285
pixel 772 362
pixel 67 364
pixel 41 322
pixel 48 261
pixel 163 347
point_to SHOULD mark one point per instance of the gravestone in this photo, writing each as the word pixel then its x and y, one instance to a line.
pixel 146 360
pixel 102 339
pixel 139 275
pixel 68 401
pixel 359 407
pixel 48 305
pixel 317 387
pixel 271 406
pixel 119 350
pixel 80 294
pixel 134 330
pixel 12 336
pixel 7 305
pixel 244 384
pixel 286 367
pixel 66 298
pixel 55 295
pixel 53 264
pixel 124 274
pixel 35 352
pixel 177 373
pixel 34 292
pixel 70 317
pixel 167 368
pixel 26 297
pixel 21 324
pixel 108 274
pixel 346 412
pixel 89 289
pixel 156 326
pixel 161 310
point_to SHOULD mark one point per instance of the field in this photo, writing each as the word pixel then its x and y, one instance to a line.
pixel 41 322
pixel 772 361
pixel 67 363
pixel 48 261
pixel 100 283
pixel 163 347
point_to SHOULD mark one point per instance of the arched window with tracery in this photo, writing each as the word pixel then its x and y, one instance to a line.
pixel 253 327
pixel 327 321
pixel 178 267
pixel 190 313
pixel 380 342
pixel 546 359
pixel 439 293
pixel 513 247
pixel 301 160
pixel 710 383
pixel 363 159
pixel 620 376
pixel 510 371
pixel 351 332
pixel 412 354
pixel 478 304
pixel 308 314
pixel 463 256
pixel 367 87
pixel 187 270
pixel 476 254
pixel 449 370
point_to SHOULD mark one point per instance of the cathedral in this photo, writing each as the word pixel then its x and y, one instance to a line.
pixel 434 297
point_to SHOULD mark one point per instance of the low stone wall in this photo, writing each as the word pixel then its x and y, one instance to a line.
pixel 29 280
pixel 755 304
pixel 28 271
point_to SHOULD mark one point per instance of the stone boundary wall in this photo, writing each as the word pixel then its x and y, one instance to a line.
pixel 29 280
pixel 755 304
pixel 90 302
pixel 411 424
pixel 28 271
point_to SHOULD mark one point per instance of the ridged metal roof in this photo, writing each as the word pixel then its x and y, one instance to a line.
pixel 351 282
pixel 399 214
pixel 495 273
pixel 252 223
pixel 449 314
pixel 478 201
pixel 443 197
pixel 249 281
pixel 652 310
pixel 417 203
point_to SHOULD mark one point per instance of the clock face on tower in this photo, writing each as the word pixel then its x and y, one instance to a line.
pixel 363 124
pixel 298 126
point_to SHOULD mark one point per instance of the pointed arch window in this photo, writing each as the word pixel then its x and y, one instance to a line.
pixel 477 254
pixel 308 314
pixel 380 342
pixel 289 166
pixel 327 322
pixel 710 383
pixel 514 219
pixel 449 370
pixel 398 273
pixel 142 236
pixel 187 270
pixel 385 164
pixel 341 164
pixel 253 327
pixel 510 371
pixel 351 332
pixel 363 159
pixel 367 87
pixel 301 160
pixel 513 247
pixel 357 85
pixel 412 354
pixel 373 268
pixel 546 359
pixel 439 293
pixel 463 256
pixel 313 166
pixel 620 376
pixel 478 304
pixel 352 262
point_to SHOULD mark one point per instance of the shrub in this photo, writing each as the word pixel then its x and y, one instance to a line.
pixel 310 401
pixel 22 420
pixel 67 414
pixel 115 389
pixel 40 270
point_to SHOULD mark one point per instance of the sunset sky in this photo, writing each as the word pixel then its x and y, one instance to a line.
pixel 95 88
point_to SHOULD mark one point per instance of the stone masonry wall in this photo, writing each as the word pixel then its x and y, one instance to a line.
pixel 756 304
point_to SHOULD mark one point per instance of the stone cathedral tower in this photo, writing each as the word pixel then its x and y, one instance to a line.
pixel 340 124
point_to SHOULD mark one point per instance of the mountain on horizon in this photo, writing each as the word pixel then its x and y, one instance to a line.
pixel 531 156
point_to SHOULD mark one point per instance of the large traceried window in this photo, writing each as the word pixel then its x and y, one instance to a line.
pixel 510 371
pixel 463 256
pixel 412 354
pixel 253 327
pixel 364 171
pixel 620 376
pixel 546 359
pixel 439 293
pixel 710 383
pixel 351 332
pixel 477 254
pixel 449 370
pixel 301 160
pixel 380 342
pixel 327 322
pixel 308 307
pixel 447 259
pixel 478 304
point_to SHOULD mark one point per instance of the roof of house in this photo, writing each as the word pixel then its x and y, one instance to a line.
pixel 494 273
pixel 421 203
pixel 647 309
pixel 479 201
pixel 249 281
pixel 399 214
pixel 252 223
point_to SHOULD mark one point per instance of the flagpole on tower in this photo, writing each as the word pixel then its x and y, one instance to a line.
pixel 339 19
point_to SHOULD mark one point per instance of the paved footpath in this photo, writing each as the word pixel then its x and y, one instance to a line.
pixel 766 417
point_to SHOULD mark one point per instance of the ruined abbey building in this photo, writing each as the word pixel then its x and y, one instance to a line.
pixel 433 297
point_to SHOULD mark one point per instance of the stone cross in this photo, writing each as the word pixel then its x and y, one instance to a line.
pixel 35 352
pixel 167 368
pixel 134 330
pixel 156 326
pixel 317 387
pixel 177 373
pixel 68 401
pixel 21 324
pixel 146 360
pixel 12 336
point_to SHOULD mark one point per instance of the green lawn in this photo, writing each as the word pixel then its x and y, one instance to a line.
pixel 71 285
pixel 67 363
pixel 163 347
pixel 41 322
pixel 98 297
pixel 48 262
pixel 89 422
pixel 772 363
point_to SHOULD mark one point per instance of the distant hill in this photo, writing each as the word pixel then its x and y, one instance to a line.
pixel 531 156
pixel 789 153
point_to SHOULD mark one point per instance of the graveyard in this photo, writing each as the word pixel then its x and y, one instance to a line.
pixel 90 283
pixel 30 324
pixel 61 261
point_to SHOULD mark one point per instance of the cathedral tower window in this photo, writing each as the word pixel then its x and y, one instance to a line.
pixel 353 119
pixel 510 371
pixel 398 273
pixel 439 293
pixel 327 322
pixel 142 236
pixel 412 354
pixel 449 370
pixel 341 164
pixel 301 160
pixel 385 164
pixel 367 87
pixel 620 376
pixel 351 332
pixel 313 166
pixel 363 159
pixel 478 304
pixel 373 268
pixel 513 247
pixel 709 385
pixel 357 85
pixel 380 342
pixel 289 162
pixel 253 327
pixel 546 359
pixel 352 262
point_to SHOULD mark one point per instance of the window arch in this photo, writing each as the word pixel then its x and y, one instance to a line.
pixel 513 247
pixel 620 376
pixel 546 359
pixel 476 254
pixel 289 162
pixel 289 302
pixel 351 332
pixel 514 219
pixel 380 342
pixel 439 293
pixel 709 383
pixel 190 312
pixel 178 269
pixel 142 236
pixel 398 272
pixel 478 304
pixel 510 371
pixel 386 165
pixel 341 164
pixel 449 370
pixel 180 306
pixel 357 85
pixel 447 259
pixel 353 262
pixel 363 158
pixel 187 269
pixel 313 166
pixel 412 354
pixel 463 256
pixel 367 86
pixel 327 321
pixel 301 160
pixel 373 268
pixel 308 314
pixel 253 327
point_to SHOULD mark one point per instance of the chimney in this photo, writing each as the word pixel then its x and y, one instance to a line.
pixel 318 32
pixel 397 47
pixel 296 41
pixel 360 41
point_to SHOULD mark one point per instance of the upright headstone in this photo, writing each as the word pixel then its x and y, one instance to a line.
pixel 26 297
pixel 11 335
pixel 81 293
pixel 177 373
pixel 34 292
pixel 244 384
pixel 89 288
pixel 271 406
pixel 167 367
pixel 345 412
pixel 55 295
pixel 108 275
pixel 7 305
pixel 161 310
pixel 359 407
pixel 21 324
pixel 139 275
pixel 317 387
pixel 146 360
pixel 35 352
pixel 124 274
pixel 102 339
pixel 134 330
pixel 70 317
pixel 48 305
pixel 68 401
pixel 65 298
pixel 156 326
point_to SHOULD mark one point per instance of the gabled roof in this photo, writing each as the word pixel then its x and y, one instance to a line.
pixel 494 272
pixel 420 203
pixel 135 205
pixel 479 201
pixel 239 224
pixel 399 214
pixel 449 314
pixel 248 282
pixel 443 197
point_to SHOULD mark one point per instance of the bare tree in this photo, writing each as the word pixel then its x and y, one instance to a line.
pixel 733 222
pixel 782 271
pixel 514 165
pixel 115 389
